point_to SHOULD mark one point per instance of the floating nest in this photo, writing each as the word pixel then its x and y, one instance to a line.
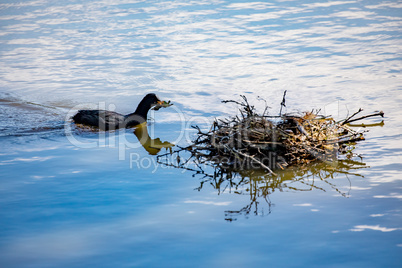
pixel 259 141
pixel 255 154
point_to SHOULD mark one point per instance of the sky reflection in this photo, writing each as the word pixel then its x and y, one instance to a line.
pixel 64 206
pixel 126 47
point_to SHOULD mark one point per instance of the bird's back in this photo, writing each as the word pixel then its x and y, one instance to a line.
pixel 102 119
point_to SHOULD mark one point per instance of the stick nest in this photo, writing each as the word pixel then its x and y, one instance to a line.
pixel 252 140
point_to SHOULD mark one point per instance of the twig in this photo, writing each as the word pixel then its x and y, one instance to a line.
pixel 255 160
pixel 381 113
pixel 283 102
pixel 347 119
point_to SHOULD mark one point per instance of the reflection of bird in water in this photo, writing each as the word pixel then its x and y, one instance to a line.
pixel 153 146
pixel 108 120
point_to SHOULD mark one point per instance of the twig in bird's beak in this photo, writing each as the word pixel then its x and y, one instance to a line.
pixel 161 104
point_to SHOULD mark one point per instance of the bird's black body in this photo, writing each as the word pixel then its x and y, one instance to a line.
pixel 108 120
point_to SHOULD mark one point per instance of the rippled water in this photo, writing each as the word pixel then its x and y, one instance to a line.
pixel 74 198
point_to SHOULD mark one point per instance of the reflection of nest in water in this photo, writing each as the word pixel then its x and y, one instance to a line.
pixel 258 184
pixel 260 144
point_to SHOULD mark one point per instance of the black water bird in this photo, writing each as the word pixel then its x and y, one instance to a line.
pixel 108 120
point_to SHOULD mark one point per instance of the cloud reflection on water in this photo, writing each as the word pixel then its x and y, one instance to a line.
pixel 360 228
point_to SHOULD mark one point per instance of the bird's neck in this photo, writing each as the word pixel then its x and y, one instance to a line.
pixel 139 116
pixel 143 108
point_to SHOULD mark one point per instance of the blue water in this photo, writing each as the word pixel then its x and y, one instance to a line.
pixel 74 198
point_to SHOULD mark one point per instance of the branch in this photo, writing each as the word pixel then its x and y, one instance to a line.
pixel 347 119
pixel 380 113
pixel 255 160
pixel 283 102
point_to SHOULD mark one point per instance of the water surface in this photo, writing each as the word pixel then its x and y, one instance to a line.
pixel 74 198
